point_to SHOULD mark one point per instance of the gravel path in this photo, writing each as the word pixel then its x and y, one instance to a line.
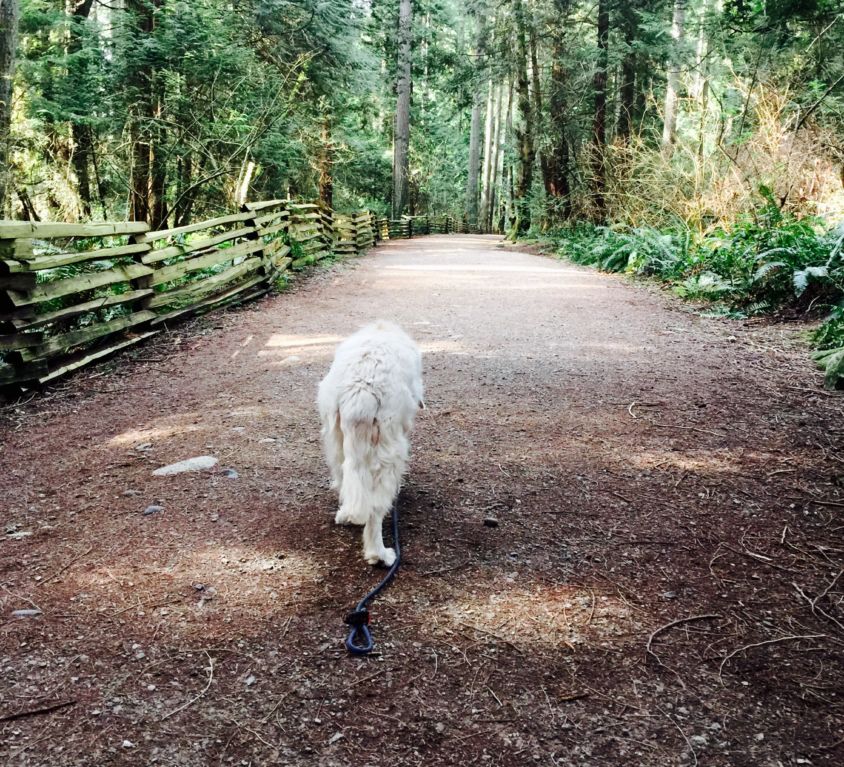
pixel 621 528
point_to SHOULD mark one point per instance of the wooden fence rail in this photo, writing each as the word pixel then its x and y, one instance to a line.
pixel 71 294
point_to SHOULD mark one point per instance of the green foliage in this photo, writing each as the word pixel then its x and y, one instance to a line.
pixel 831 361
pixel 767 260
pixel 640 250
pixel 211 86
pixel 829 340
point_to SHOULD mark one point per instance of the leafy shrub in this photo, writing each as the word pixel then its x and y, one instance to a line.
pixel 829 340
pixel 767 260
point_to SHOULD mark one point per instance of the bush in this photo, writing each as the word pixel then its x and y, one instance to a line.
pixel 767 260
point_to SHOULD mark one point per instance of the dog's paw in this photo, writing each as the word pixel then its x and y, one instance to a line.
pixel 346 517
pixel 351 516
pixel 387 556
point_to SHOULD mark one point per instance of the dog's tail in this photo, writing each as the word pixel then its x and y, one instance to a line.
pixel 358 416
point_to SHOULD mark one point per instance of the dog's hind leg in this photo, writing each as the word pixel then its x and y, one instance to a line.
pixel 332 445
pixel 356 488
pixel 374 550
pixel 387 481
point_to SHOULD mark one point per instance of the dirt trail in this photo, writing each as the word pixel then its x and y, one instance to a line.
pixel 663 586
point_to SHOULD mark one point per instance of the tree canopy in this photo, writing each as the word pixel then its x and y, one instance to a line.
pixel 645 111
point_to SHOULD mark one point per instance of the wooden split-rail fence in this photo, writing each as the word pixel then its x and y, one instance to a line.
pixel 70 294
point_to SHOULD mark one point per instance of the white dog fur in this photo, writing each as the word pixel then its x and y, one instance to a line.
pixel 367 404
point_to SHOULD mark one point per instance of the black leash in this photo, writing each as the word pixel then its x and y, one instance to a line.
pixel 359 641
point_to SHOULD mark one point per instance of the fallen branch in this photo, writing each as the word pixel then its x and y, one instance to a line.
pixel 66 566
pixel 680 621
pixel 36 711
pixel 762 644
pixel 687 428
pixel 194 700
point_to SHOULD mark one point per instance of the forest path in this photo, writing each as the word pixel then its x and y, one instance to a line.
pixel 660 481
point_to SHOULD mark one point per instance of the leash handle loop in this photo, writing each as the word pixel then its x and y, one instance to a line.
pixel 359 641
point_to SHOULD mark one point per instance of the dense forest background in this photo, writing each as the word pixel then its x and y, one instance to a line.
pixel 522 114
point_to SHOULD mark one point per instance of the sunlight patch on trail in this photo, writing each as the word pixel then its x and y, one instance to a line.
pixel 171 426
pixel 293 348
pixel 280 341
pixel 553 616
pixel 198 591
pixel 481 268
pixel 703 462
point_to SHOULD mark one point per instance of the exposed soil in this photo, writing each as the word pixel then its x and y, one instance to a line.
pixel 663 587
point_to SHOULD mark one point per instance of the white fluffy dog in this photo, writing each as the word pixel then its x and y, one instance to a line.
pixel 367 404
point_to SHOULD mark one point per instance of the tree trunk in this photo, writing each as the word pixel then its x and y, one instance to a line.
pixel 401 141
pixel 148 178
pixel 558 160
pixel 140 179
pixel 158 157
pixel 474 162
pixel 627 86
pixel 82 147
pixel 9 12
pixel 81 133
pixel 495 166
pixel 326 163
pixel 537 106
pixel 507 205
pixel 183 205
pixel 672 91
pixel 599 125
pixel 523 127
pixel 487 169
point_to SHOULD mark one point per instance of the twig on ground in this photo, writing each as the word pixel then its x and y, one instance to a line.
pixel 762 644
pixel 820 392
pixel 252 732
pixel 654 634
pixel 36 711
pixel 66 566
pixel 441 570
pixel 813 603
pixel 275 708
pixel 492 692
pixel 825 503
pixel 25 599
pixel 148 603
pixel 367 678
pixel 194 700
pixel 592 610
pixel 829 588
pixel 680 730
pixel 680 621
pixel 761 558
pixel 687 428
pixel 573 696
